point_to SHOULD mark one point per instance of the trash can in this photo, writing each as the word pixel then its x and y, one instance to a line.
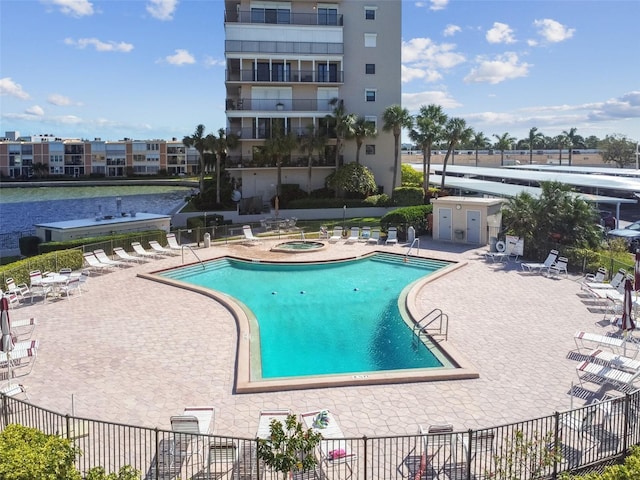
pixel 207 240
pixel 492 244
pixel 411 235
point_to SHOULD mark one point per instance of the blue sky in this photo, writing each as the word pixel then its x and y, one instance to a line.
pixel 155 68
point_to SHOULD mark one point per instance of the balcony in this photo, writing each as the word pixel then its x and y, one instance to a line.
pixel 279 76
pixel 278 105
pixel 262 133
pixel 257 161
pixel 282 17
pixel 296 48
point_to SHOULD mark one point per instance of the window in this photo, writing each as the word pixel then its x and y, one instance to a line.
pixel 327 16
pixel 370 39
pixel 370 68
pixel 373 119
pixel 369 13
pixel 370 149
pixel 370 95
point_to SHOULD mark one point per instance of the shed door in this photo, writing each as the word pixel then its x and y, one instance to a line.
pixel 473 226
pixel 444 224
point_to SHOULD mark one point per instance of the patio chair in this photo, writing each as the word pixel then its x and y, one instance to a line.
pixel 21 290
pixel 365 234
pixel 141 252
pixel 22 329
pixel 392 236
pixel 324 233
pixel 186 442
pixel 172 242
pixel 437 439
pixel 102 257
pixel 15 390
pixel 607 374
pixel 594 279
pixel 249 237
pixel 614 284
pixel 12 298
pixel 559 266
pixel 73 284
pixel 336 235
pixel 36 286
pixel 156 247
pixel 124 256
pixel 600 340
pixel 21 357
pixel 94 264
pixel 335 451
pixel 375 237
pixel 354 236
pixel 540 267
pixel 266 417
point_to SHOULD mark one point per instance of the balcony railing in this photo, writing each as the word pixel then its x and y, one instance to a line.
pixel 291 76
pixel 282 17
pixel 275 105
pixel 300 48
pixel 238 161
pixel 260 133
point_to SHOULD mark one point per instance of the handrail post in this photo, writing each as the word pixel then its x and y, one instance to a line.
pixel 556 444
pixel 364 438
pixel 468 459
pixel 625 428
pixel 157 465
pixel 68 421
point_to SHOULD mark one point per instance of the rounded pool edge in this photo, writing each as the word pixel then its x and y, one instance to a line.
pixel 462 370
pixel 280 247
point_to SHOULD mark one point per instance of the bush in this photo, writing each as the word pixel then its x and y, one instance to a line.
pixel 288 193
pixel 381 200
pixel 404 196
pixel 48 262
pixel 118 240
pixel 212 221
pixel 403 218
pixel 29 245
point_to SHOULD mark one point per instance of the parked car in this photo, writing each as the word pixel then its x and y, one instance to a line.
pixel 607 220
pixel 630 234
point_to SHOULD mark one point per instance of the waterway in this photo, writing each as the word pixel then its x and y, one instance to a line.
pixel 21 208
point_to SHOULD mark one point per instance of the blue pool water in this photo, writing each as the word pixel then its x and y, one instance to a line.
pixel 330 318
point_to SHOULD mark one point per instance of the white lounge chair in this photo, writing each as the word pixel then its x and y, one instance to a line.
pixel 392 236
pixel 615 282
pixel 21 290
pixel 266 417
pixel 124 256
pixel 540 267
pixel 374 238
pixel 186 442
pixel 102 257
pixel 354 236
pixel 172 242
pixel 22 329
pixel 12 298
pixel 249 236
pixel 94 264
pixel 156 247
pixel 15 390
pixel 324 233
pixel 614 360
pixel 607 374
pixel 334 449
pixel 336 235
pixel 434 439
pixel 559 266
pixel 140 251
pixel 600 340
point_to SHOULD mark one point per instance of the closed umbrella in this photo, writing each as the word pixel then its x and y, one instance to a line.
pixel 6 342
pixel 627 324
pixel 636 280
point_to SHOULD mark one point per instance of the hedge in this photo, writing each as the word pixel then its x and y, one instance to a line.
pixel 48 262
pixel 120 240
pixel 406 217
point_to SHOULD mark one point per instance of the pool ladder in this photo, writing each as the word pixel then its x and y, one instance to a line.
pixel 416 241
pixel 434 324
pixel 194 253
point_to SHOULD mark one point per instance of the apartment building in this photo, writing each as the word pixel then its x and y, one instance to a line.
pixel 285 62
pixel 48 155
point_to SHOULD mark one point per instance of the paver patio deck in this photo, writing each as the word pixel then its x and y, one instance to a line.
pixel 134 351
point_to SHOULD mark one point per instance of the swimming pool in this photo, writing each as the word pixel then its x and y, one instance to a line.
pixel 310 321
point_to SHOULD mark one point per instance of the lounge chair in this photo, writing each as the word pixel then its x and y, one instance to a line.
pixel 187 442
pixel 434 440
pixel 615 282
pixel 94 264
pixel 103 258
pixel 324 233
pixel 266 417
pixel 335 451
pixel 124 256
pixel 607 374
pixel 600 340
pixel 22 329
pixel 141 252
pixel 21 290
pixel 249 236
pixel 365 234
pixel 12 298
pixel 540 267
pixel 336 235
pixel 478 449
pixel 614 360
pixel 172 242
pixel 22 356
pixel 594 279
pixel 156 247
pixel 354 236
pixel 392 236
pixel 559 266
pixel 15 390
pixel 375 237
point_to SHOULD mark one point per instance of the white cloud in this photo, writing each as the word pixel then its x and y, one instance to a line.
pixel 59 100
pixel 181 57
pixel 553 31
pixel 212 62
pixel 501 68
pixel 423 51
pixel 413 101
pixel 626 106
pixel 13 89
pixel 438 4
pixel 36 110
pixel 409 74
pixel 73 8
pixel 451 30
pixel 99 45
pixel 500 33
pixel 162 9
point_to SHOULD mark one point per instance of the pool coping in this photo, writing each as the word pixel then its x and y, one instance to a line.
pixel 463 369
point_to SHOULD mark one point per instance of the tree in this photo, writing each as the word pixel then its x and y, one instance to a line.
pixel 342 123
pixel 312 140
pixel 279 146
pixel 429 124
pixel 534 138
pixel 221 146
pixel 396 118
pixel 353 179
pixel 202 144
pixel 503 143
pixel 479 141
pixel 40 169
pixel 289 447
pixel 573 141
pixel 618 149
pixel 410 176
pixel 560 142
pixel 455 131
pixel 360 130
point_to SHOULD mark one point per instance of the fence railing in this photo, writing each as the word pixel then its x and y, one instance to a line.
pixel 580 440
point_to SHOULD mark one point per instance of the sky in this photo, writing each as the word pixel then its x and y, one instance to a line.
pixel 154 69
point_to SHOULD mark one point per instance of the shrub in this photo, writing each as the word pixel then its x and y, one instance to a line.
pixel 404 196
pixel 48 262
pixel 118 240
pixel 403 218
pixel 381 200
pixel 29 245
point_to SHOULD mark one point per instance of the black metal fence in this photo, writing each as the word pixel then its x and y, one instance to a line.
pixel 581 440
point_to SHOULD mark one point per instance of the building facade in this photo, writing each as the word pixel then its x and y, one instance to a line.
pixel 288 65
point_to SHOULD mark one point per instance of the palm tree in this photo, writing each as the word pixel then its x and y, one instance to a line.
pixel 362 129
pixel 342 123
pixel 429 124
pixel 455 131
pixel 312 140
pixel 561 141
pixel 573 141
pixel 503 143
pixel 479 141
pixel 534 137
pixel 202 144
pixel 396 118
pixel 278 147
pixel 221 146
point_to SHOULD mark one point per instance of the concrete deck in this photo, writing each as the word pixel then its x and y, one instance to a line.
pixel 134 351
